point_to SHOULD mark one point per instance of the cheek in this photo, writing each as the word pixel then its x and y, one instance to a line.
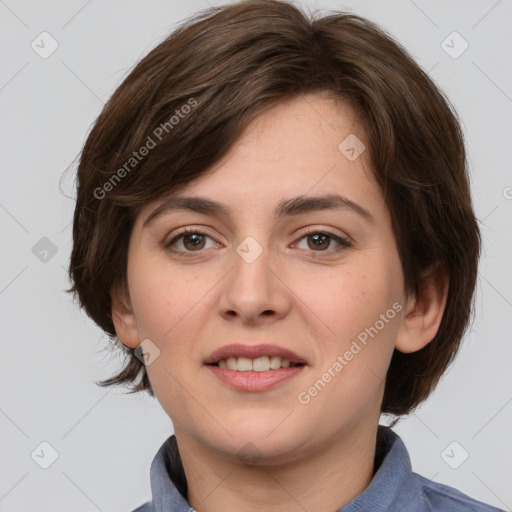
pixel 160 296
pixel 362 308
pixel 354 300
pixel 361 312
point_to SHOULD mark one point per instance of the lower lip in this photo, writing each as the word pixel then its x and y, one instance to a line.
pixel 254 381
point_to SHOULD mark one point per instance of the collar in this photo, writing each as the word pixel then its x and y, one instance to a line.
pixel 387 490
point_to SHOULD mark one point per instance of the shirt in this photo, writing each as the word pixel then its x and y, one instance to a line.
pixel 394 487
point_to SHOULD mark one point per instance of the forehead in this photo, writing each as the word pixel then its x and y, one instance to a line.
pixel 307 146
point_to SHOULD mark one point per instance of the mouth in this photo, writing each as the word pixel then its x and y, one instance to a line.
pixel 254 368
pixel 257 358
pixel 259 364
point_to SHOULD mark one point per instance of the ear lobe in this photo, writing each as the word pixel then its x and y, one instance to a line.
pixel 123 318
pixel 424 311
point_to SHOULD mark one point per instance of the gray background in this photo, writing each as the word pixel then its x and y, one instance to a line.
pixel 105 439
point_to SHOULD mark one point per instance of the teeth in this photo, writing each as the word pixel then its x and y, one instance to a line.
pixel 244 364
pixel 260 364
pixel 275 362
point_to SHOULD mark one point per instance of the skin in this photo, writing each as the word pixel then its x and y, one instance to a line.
pixel 314 301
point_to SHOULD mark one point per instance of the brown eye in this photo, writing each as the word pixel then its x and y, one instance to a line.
pixel 319 241
pixel 193 242
pixel 188 241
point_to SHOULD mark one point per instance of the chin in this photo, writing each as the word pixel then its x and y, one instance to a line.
pixel 260 443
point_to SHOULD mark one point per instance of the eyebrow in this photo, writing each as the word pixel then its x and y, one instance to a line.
pixel 289 207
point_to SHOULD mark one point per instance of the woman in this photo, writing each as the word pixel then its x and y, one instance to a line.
pixel 274 218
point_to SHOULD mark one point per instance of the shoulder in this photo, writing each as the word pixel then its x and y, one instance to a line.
pixel 437 497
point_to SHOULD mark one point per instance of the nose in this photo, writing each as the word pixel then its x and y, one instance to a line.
pixel 255 291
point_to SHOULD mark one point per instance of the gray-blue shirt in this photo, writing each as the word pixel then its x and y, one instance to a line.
pixel 394 486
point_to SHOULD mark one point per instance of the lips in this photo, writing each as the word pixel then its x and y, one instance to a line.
pixel 255 375
pixel 253 352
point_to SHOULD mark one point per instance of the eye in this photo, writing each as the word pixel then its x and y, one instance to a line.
pixel 190 239
pixel 320 241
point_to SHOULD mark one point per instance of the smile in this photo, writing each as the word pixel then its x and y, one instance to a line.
pixel 253 368
pixel 260 364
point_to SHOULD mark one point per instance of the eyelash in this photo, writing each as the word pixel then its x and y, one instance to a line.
pixel 343 243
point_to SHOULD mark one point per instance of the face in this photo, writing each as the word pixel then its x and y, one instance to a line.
pixel 322 280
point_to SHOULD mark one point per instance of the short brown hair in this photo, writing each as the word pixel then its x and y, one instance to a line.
pixel 233 62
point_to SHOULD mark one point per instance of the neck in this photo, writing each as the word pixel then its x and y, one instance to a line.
pixel 327 479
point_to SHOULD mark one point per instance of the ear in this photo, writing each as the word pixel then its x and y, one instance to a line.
pixel 423 311
pixel 123 317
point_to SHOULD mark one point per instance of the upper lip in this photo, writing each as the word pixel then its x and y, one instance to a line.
pixel 253 352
